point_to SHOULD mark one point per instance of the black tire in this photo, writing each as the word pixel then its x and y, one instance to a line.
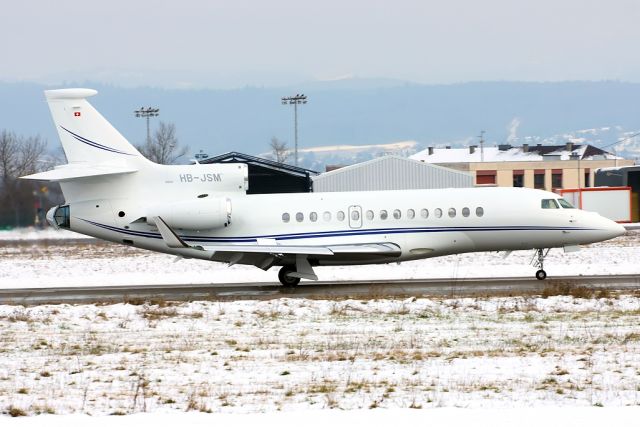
pixel 541 274
pixel 287 280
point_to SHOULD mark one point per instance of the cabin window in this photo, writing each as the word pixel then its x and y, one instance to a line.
pixel 340 216
pixel 299 217
pixel 479 211
pixel 313 216
pixel 452 212
pixel 286 217
pixel 565 204
pixel 438 212
pixel 411 214
pixel 383 214
pixel 355 215
pixel 369 215
pixel 326 216
pixel 397 214
pixel 424 213
pixel 466 212
pixel 549 204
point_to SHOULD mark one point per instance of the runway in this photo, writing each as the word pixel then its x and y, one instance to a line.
pixel 317 290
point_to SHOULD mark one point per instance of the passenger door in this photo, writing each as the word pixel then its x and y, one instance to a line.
pixel 355 216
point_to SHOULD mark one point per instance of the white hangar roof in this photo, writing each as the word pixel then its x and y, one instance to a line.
pixel 390 173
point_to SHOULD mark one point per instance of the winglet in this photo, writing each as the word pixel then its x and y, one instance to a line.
pixel 168 235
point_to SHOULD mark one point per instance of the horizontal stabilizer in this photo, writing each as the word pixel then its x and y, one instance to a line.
pixel 77 171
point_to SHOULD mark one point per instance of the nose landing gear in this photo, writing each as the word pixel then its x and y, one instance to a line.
pixel 538 261
pixel 541 275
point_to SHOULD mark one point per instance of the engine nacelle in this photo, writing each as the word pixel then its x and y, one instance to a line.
pixel 199 214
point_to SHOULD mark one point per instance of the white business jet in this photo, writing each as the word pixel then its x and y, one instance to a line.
pixel 202 211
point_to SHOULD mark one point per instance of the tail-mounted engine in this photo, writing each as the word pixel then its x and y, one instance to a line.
pixel 203 213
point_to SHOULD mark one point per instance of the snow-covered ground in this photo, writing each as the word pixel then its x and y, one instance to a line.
pixel 480 361
pixel 31 233
pixel 303 355
pixel 449 417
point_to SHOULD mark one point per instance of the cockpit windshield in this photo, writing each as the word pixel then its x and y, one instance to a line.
pixel 565 204
pixel 555 204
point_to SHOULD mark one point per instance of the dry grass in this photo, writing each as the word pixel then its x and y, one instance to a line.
pixel 338 354
pixel 14 411
pixel 566 289
pixel 151 312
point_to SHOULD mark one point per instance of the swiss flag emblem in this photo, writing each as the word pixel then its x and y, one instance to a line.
pixel 76 114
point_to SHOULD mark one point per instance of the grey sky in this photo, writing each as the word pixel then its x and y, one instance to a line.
pixel 231 43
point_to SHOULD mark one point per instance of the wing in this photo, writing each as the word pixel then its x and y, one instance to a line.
pixel 264 253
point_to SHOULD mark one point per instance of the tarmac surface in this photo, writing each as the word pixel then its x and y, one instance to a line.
pixel 518 286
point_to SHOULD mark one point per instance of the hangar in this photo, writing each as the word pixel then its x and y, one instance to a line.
pixel 390 173
pixel 267 176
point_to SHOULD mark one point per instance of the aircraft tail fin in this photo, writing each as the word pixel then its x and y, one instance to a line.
pixel 85 134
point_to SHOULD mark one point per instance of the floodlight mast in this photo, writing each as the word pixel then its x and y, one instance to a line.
pixel 481 136
pixel 295 100
pixel 147 113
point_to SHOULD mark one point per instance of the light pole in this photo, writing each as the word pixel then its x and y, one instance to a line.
pixel 147 113
pixel 295 100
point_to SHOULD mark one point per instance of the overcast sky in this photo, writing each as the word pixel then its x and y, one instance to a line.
pixel 222 44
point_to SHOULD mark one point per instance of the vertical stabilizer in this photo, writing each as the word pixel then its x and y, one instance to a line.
pixel 85 134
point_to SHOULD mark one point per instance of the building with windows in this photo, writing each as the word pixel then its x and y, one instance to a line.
pixel 537 166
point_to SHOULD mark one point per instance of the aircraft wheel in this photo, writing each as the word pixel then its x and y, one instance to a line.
pixel 287 280
pixel 541 274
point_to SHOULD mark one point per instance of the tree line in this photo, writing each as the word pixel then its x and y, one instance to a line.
pixel 23 202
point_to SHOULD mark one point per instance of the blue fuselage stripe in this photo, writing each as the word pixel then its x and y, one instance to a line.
pixel 338 233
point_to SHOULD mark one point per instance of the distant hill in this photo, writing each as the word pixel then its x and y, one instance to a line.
pixel 356 112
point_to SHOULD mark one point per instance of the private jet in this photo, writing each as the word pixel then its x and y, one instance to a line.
pixel 203 211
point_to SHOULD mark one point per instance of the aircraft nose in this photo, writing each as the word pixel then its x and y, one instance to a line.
pixel 614 229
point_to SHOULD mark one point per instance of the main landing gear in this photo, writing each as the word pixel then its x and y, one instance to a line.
pixel 538 261
pixel 291 274
pixel 285 279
